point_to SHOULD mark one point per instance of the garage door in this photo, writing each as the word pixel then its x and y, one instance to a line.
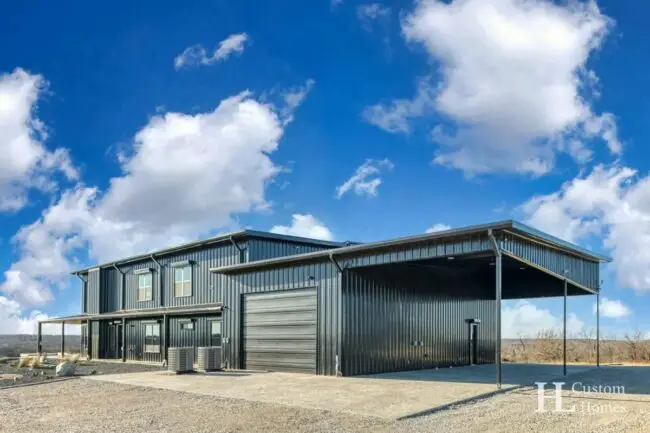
pixel 280 331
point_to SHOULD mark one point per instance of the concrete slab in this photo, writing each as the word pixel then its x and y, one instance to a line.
pixel 387 396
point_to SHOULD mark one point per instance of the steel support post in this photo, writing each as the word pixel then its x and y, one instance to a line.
pixel 598 328
pixel 564 328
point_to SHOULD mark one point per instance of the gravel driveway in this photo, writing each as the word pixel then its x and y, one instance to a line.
pixel 91 406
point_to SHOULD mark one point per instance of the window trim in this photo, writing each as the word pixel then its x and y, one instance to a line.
pixel 146 346
pixel 190 281
pixel 144 274
pixel 220 331
pixel 185 323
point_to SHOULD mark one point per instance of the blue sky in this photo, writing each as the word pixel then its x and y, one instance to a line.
pixel 130 127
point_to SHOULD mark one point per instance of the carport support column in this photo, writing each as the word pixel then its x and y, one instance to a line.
pixel 498 317
pixel 564 326
pixel 598 328
pixel 497 306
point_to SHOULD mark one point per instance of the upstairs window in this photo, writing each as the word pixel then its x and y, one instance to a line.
pixel 183 281
pixel 144 287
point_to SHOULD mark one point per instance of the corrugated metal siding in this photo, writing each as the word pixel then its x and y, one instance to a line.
pixel 111 293
pixel 135 341
pixel 197 337
pixel 426 250
pixel 323 275
pixel 131 287
pixel 94 291
pixel 383 320
pixel 580 270
pixel 206 286
pixel 262 249
pixel 83 349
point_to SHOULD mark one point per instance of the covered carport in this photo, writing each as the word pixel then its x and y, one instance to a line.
pixel 471 271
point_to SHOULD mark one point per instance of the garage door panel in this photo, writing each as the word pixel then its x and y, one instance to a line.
pixel 280 331
pixel 280 317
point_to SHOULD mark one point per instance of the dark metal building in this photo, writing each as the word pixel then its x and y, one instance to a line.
pixel 293 304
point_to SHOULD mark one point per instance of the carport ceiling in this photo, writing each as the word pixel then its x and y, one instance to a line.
pixel 471 275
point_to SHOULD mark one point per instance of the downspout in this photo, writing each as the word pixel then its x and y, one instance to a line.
pixel 241 249
pixel 339 348
pixel 497 287
pixel 123 284
pixel 160 286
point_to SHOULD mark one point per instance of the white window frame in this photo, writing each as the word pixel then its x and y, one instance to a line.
pixel 145 293
pixel 185 283
pixel 151 348
pixel 187 326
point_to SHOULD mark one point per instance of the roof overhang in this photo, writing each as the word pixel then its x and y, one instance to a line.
pixel 505 226
pixel 142 313
pixel 224 238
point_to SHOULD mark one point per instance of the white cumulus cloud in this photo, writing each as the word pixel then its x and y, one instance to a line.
pixel 366 179
pixel 197 55
pixel 611 203
pixel 184 177
pixel 438 227
pixel 524 319
pixel 514 87
pixel 613 308
pixel 304 225
pixel 25 162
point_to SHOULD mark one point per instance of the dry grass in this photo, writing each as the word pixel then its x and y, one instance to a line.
pixel 31 362
pixel 548 347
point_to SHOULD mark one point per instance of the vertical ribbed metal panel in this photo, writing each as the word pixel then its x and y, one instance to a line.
pixel 580 270
pixel 206 286
pixel 323 275
pixel 262 249
pixel 135 336
pixel 384 323
pixel 197 337
pixel 111 293
pixel 131 286
pixel 433 248
pixel 94 291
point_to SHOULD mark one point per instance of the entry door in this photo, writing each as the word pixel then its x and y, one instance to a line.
pixel 473 343
pixel 279 331
pixel 115 341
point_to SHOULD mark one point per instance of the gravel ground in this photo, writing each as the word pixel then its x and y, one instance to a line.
pixel 10 376
pixel 90 406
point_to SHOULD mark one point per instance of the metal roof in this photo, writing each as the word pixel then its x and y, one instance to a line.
pixel 218 239
pixel 510 225
pixel 147 312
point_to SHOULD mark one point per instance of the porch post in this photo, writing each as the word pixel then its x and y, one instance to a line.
pixel 62 339
pixel 39 339
pixel 123 339
pixel 598 328
pixel 564 327
pixel 165 336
